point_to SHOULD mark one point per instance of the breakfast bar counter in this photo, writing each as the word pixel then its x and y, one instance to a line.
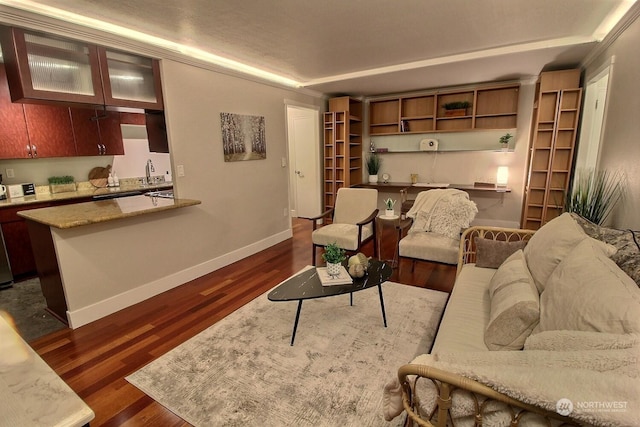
pixel 96 258
pixel 75 215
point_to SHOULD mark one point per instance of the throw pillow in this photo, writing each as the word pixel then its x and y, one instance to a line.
pixel 589 292
pixel 492 253
pixel 452 214
pixel 515 307
pixel 626 242
pixel 549 245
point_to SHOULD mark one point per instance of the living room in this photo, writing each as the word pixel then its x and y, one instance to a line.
pixel 228 227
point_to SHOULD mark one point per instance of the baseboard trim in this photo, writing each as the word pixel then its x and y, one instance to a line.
pixel 131 297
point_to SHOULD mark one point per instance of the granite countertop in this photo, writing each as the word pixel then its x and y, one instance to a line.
pixel 78 214
pixel 84 190
pixel 30 391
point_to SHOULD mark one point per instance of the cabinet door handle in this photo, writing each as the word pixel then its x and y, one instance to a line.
pixel 99 149
pixel 104 149
pixel 29 151
pixel 34 151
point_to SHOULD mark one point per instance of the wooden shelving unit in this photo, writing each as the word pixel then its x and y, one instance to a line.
pixel 342 146
pixel 492 107
pixel 556 115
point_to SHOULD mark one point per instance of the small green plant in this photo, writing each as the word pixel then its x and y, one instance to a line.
pixel 333 254
pixel 389 204
pixel 594 194
pixel 505 139
pixel 457 105
pixel 59 180
pixel 373 164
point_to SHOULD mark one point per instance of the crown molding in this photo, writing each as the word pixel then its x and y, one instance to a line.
pixel 629 18
pixel 33 21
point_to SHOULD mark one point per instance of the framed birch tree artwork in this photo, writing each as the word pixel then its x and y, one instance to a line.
pixel 243 137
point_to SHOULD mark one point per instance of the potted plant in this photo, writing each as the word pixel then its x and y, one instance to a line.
pixel 456 108
pixel 594 194
pixel 333 256
pixel 504 141
pixel 61 184
pixel 373 167
pixel 389 204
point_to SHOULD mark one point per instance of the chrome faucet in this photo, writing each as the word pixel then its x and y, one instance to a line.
pixel 148 169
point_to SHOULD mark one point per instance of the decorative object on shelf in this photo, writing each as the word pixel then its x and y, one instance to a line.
pixel 61 184
pixel 389 204
pixel 373 167
pixel 414 178
pixel 243 137
pixel 457 108
pixel 385 178
pixel 333 255
pixel 504 141
pixel 372 146
pixel 404 126
pixel 594 194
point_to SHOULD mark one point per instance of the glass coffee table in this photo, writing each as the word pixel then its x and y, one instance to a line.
pixel 307 285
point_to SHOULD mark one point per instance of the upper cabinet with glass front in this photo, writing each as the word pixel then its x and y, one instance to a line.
pixel 47 68
pixel 43 68
pixel 130 80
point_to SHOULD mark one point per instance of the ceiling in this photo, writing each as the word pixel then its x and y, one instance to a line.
pixel 366 47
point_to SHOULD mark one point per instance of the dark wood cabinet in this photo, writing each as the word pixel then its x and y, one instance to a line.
pixel 132 119
pixel 14 140
pixel 157 132
pixel 17 241
pixel 50 131
pixel 85 131
pixel 130 80
pixel 96 132
pixel 47 68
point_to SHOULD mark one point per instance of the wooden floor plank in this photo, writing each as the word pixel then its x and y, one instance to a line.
pixel 95 359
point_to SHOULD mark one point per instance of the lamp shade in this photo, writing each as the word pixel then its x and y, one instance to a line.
pixel 502 176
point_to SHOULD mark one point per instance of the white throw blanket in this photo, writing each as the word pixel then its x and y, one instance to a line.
pixel 602 385
pixel 442 211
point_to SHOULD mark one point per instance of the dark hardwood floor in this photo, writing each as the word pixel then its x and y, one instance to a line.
pixel 94 359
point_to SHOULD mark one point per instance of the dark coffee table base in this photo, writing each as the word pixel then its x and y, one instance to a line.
pixel 290 290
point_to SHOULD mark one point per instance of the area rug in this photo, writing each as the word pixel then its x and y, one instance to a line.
pixel 242 370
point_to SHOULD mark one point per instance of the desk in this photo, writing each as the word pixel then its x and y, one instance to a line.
pixel 392 187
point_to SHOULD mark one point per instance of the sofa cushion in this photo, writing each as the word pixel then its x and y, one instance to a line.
pixel 515 308
pixel 549 245
pixel 580 341
pixel 492 253
pixel 429 246
pixel 589 292
pixel 467 312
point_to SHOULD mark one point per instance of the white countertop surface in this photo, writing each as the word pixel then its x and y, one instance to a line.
pixel 31 393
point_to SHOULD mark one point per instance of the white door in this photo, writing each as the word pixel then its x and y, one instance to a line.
pixel 593 118
pixel 304 164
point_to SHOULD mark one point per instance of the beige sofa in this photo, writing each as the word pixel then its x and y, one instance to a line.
pixel 540 328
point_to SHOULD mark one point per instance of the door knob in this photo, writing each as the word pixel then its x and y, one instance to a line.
pixel 300 174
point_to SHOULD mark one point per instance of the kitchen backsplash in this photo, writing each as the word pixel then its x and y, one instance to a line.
pixel 130 165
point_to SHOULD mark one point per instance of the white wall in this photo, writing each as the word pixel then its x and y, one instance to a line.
pixel 621 141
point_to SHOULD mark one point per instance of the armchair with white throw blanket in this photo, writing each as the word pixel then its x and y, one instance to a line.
pixel 438 217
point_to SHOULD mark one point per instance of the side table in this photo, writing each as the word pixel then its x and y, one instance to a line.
pixel 392 221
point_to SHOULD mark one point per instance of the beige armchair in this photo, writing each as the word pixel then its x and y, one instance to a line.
pixel 353 222
pixel 435 221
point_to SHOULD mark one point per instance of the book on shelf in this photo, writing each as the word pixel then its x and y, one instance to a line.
pixel 342 279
